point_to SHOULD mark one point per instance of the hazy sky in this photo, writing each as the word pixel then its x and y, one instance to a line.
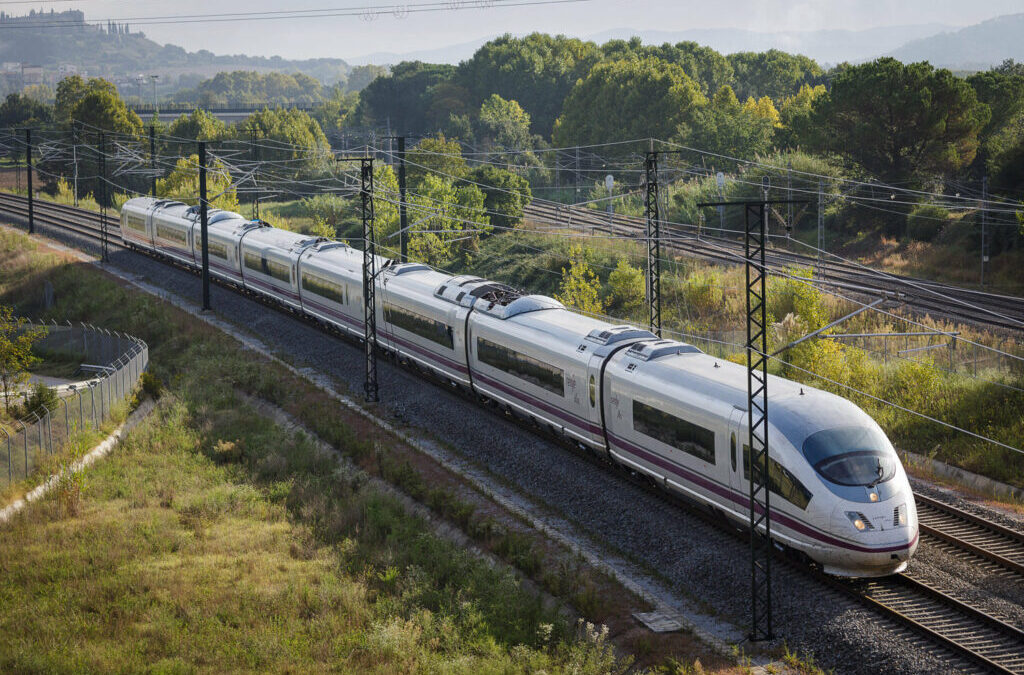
pixel 347 37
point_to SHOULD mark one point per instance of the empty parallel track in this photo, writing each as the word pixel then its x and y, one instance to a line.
pixel 947 623
pixel 999 547
pixel 936 299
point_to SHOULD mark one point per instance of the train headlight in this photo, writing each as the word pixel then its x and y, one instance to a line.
pixel 901 515
pixel 859 521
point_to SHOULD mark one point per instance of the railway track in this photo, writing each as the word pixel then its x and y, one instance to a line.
pixel 949 624
pixel 962 304
pixel 999 548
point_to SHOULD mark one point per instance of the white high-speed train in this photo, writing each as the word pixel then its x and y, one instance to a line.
pixel 658 407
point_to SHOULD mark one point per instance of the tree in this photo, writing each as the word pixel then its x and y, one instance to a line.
pixel 250 87
pixel 580 287
pixel 900 121
pixel 772 73
pixel 435 155
pixel 361 76
pixel 385 203
pixel 1002 90
pixel 729 128
pixel 506 194
pixel 15 352
pixel 763 108
pixel 795 115
pixel 450 220
pixel 183 184
pixel 70 91
pixel 199 126
pixel 627 99
pixel 101 108
pixel 297 138
pixel 503 123
pixel 335 111
pixel 400 101
pixel 704 65
pixel 538 71
pixel 21 111
pixel 626 288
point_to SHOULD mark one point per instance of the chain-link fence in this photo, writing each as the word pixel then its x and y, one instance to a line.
pixel 111 364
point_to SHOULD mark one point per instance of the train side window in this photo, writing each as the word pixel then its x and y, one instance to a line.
pixel 780 481
pixel 524 367
pixel 732 450
pixel 675 431
pixel 418 324
pixel 593 391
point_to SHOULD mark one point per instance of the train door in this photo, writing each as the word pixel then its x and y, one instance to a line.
pixel 737 441
pixel 594 398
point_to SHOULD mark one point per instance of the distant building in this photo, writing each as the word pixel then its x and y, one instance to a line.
pixel 31 74
pixel 65 69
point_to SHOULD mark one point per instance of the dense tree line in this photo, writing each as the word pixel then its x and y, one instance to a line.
pixel 884 120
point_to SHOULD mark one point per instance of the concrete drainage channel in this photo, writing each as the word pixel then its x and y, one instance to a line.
pixel 97 453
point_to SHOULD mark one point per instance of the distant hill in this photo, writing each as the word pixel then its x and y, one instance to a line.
pixel 116 52
pixel 976 47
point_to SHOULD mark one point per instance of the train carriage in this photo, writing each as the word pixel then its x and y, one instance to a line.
pixel 136 225
pixel 413 322
pixel 527 355
pixel 270 260
pixel 331 283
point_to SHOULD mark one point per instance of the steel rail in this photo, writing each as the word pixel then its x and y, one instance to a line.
pixel 978 536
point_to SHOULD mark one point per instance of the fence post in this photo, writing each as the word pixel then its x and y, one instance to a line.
pixel 24 434
pixel 67 421
pixel 10 478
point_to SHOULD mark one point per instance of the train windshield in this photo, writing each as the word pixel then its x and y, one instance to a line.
pixel 851 456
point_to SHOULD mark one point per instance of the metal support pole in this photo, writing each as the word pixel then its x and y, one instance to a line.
pixel 653 243
pixel 369 280
pixel 28 165
pixel 74 158
pixel 10 475
pixel 203 212
pixel 403 241
pixel 255 175
pixel 103 195
pixel 984 225
pixel 757 423
pixel 821 221
pixel 152 158
pixel 789 196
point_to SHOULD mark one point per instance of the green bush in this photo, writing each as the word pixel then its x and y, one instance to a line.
pixel 327 208
pixel 925 222
pixel 40 400
pixel 151 385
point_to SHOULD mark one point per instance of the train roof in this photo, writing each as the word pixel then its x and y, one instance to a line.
pixel 283 240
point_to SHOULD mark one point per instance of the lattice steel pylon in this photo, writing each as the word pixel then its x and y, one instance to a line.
pixel 653 243
pixel 369 280
pixel 757 421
